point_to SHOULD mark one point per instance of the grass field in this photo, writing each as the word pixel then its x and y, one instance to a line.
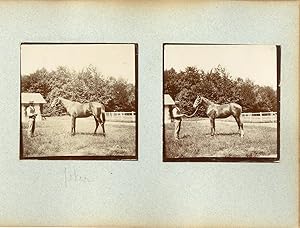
pixel 260 140
pixel 52 138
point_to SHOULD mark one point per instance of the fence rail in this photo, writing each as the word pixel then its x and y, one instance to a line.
pixel 120 116
pixel 258 117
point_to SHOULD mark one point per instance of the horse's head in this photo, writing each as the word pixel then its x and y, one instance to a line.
pixel 55 102
pixel 197 102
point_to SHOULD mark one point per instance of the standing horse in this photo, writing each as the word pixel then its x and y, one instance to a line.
pixel 82 110
pixel 214 111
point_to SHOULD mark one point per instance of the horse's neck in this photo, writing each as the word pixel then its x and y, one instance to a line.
pixel 207 102
pixel 66 103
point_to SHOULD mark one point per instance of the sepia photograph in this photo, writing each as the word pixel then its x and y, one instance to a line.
pixel 78 101
pixel 221 102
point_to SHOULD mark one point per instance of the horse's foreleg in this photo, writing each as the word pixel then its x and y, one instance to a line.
pixel 212 127
pixel 72 125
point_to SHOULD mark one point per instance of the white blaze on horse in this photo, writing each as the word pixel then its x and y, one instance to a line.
pixel 82 110
pixel 214 111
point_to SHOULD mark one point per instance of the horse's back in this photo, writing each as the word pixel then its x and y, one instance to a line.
pixel 225 110
pixel 80 110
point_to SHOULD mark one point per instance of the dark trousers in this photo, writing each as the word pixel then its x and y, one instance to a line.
pixel 31 127
pixel 177 128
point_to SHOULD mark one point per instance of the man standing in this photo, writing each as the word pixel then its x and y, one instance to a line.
pixel 177 116
pixel 31 119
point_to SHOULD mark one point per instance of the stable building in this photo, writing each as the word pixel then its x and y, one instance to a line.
pixel 38 102
pixel 168 104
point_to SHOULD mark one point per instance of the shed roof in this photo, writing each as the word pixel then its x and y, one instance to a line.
pixel 37 98
pixel 168 100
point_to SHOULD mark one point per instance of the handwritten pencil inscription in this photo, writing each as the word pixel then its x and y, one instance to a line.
pixel 74 176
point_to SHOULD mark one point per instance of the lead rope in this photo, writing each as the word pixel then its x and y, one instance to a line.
pixel 189 116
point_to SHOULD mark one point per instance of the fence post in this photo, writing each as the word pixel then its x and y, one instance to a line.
pixel 261 119
pixel 132 115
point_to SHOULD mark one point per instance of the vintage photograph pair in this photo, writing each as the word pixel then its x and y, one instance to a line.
pixel 80 101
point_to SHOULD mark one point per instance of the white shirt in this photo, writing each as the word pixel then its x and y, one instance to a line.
pixel 30 111
pixel 176 113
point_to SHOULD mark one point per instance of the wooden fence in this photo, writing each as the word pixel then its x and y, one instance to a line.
pixel 120 116
pixel 258 117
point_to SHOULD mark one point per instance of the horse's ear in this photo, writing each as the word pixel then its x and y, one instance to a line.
pixel 55 101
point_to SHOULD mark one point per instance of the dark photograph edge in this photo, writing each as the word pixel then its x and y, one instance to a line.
pixel 82 157
pixel 276 159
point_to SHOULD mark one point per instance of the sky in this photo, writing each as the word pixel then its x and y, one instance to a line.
pixel 117 60
pixel 256 62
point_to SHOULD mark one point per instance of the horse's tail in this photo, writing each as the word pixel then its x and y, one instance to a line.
pixel 103 112
pixel 241 109
pixel 103 116
pixel 100 113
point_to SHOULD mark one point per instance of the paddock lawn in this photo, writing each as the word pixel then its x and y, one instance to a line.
pixel 52 138
pixel 260 140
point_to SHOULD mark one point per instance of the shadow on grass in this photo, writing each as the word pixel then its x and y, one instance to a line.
pixel 223 134
pixel 87 133
pixel 185 136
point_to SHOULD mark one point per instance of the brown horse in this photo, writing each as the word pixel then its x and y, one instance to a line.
pixel 214 111
pixel 82 110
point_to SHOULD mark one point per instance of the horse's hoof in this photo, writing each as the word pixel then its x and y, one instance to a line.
pixel 104 135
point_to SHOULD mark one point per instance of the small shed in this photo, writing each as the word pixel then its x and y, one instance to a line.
pixel 38 102
pixel 168 103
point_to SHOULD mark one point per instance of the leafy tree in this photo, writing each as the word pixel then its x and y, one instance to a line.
pixel 84 86
pixel 218 86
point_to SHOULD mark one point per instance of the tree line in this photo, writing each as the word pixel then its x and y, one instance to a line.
pixel 84 86
pixel 218 86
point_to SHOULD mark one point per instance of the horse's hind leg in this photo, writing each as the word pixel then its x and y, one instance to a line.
pixel 103 121
pixel 240 125
pixel 102 125
pixel 97 124
pixel 242 128
pixel 238 122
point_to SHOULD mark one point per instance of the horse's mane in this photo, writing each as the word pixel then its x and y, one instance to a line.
pixel 207 100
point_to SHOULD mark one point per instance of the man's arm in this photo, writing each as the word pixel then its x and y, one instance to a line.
pixel 176 113
pixel 31 114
